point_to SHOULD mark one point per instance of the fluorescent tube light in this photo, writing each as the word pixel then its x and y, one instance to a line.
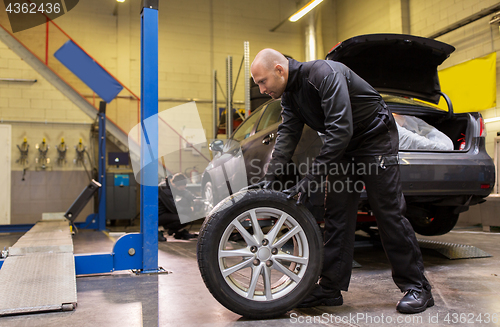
pixel 304 10
pixel 491 120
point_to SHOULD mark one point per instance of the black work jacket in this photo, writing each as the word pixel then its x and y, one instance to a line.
pixel 331 99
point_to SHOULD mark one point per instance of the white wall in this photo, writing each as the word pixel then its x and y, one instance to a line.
pixel 5 144
pixel 36 111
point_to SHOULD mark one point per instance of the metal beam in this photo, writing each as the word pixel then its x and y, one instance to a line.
pixel 20 228
pixel 467 20
pixel 197 100
pixel 18 80
pixel 101 223
pixel 229 98
pixel 246 54
pixel 214 105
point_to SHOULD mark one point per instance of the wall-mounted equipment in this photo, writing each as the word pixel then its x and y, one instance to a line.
pixel 121 196
pixel 121 188
pixel 80 153
pixel 118 159
pixel 61 153
pixel 81 150
pixel 42 162
pixel 23 148
pixel 495 20
pixel 23 159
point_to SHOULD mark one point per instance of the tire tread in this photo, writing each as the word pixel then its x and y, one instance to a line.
pixel 207 230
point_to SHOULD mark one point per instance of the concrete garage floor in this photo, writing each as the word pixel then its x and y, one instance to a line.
pixel 462 288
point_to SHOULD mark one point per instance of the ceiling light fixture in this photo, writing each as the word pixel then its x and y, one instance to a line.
pixel 304 10
pixel 299 14
pixel 491 120
pixel 120 0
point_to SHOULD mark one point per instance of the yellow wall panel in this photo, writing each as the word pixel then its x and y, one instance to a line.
pixel 471 85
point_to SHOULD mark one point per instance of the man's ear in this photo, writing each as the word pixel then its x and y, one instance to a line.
pixel 280 69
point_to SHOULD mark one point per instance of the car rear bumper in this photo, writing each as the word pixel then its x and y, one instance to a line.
pixel 458 173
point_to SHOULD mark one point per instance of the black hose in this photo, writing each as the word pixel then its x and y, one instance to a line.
pixel 90 160
pixel 88 174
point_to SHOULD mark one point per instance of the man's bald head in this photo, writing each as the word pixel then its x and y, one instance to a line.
pixel 270 71
pixel 268 58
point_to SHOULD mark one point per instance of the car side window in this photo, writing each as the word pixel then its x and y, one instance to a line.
pixel 245 128
pixel 271 116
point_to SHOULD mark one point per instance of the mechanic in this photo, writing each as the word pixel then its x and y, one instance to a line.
pixel 168 211
pixel 359 129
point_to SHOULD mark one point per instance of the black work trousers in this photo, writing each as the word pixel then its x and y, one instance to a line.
pixel 380 175
pixel 170 222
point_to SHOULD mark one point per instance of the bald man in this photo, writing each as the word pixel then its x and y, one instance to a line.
pixel 359 134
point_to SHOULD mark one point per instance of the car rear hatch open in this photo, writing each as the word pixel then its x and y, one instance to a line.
pixel 405 66
pixel 395 63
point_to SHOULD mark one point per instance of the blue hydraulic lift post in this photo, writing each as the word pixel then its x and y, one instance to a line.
pixel 149 137
pixel 101 219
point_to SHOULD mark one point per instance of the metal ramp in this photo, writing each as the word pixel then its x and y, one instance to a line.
pixel 39 273
pixel 454 251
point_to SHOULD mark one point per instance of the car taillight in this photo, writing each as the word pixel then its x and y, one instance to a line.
pixel 485 186
pixel 482 127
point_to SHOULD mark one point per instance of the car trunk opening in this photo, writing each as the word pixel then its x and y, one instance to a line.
pixel 395 63
pixel 456 128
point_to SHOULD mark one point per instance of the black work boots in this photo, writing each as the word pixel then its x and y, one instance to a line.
pixel 415 301
pixel 412 302
pixel 322 296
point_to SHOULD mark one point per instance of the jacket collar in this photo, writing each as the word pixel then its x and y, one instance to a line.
pixel 294 67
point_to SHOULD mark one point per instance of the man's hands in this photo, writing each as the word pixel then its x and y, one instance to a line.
pixel 265 183
pixel 303 187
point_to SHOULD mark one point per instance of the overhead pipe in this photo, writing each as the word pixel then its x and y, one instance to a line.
pixel 229 97
pixel 214 105
pixel 310 34
pixel 19 80
pixel 246 54
pixel 467 20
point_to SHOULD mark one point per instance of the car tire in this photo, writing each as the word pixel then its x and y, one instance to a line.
pixel 286 256
pixel 438 221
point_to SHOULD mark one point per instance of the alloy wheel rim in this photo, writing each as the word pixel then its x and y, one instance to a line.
pixel 268 263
